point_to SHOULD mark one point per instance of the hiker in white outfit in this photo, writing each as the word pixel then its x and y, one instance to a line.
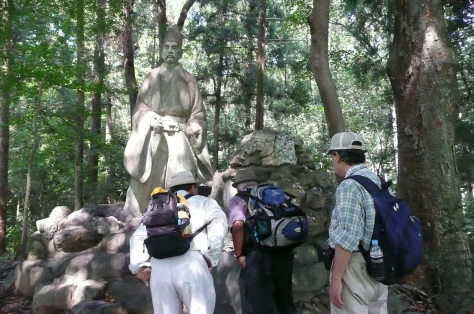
pixel 184 279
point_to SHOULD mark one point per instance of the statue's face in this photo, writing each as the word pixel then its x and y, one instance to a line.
pixel 171 52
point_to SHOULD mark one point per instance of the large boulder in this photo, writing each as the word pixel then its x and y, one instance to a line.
pixel 265 148
pixel 50 225
pixel 75 239
pixel 75 257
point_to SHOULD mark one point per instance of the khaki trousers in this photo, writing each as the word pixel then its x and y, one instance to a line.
pixel 360 293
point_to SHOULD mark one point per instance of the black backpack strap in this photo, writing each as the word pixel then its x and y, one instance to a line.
pixel 368 184
pixel 189 195
pixel 243 194
pixel 195 233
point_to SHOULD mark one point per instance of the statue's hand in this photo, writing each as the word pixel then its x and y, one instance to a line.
pixel 155 122
pixel 194 136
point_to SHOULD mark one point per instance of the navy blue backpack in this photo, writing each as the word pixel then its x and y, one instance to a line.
pixel 398 232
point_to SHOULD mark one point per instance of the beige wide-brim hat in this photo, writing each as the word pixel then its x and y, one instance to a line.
pixel 183 177
pixel 244 175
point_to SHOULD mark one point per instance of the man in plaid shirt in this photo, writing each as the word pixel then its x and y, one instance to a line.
pixel 351 289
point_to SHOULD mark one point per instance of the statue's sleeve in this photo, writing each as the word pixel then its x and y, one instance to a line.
pixel 137 155
pixel 196 126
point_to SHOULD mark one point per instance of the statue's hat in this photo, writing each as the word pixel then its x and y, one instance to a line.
pixel 174 34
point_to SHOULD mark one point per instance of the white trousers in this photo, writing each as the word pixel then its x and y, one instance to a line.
pixel 182 280
pixel 360 293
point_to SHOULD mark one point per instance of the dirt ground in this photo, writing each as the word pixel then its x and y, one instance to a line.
pixel 15 304
pixel 11 302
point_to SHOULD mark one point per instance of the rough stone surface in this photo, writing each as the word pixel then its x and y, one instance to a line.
pixel 75 239
pixel 318 221
pixel 88 290
pixel 53 297
pixel 109 266
pixel 132 294
pixel 266 148
pixel 50 225
pixel 314 198
pixel 98 307
pixel 114 243
pixel 37 246
pixel 309 277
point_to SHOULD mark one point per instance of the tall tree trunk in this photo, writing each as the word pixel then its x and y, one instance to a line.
pixel 129 55
pixel 108 120
pixel 217 112
pixel 319 62
pixel 260 100
pixel 161 21
pixel 184 13
pixel 422 71
pixel 96 112
pixel 6 46
pixel 80 110
pixel 108 139
pixel 247 82
pixel 29 178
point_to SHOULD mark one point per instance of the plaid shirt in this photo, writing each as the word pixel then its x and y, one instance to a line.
pixel 353 204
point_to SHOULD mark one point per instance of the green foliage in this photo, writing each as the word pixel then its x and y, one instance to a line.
pixel 469 219
pixel 14 229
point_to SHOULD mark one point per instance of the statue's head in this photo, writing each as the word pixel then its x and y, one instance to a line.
pixel 172 45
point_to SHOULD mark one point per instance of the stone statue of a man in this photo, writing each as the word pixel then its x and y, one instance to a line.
pixel 169 128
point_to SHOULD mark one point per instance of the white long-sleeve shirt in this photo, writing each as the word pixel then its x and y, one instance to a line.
pixel 209 242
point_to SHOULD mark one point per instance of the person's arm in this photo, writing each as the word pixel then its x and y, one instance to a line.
pixel 237 207
pixel 340 262
pixel 216 230
pixel 139 257
pixel 238 239
pixel 144 274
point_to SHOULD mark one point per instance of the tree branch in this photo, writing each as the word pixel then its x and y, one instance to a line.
pixel 184 13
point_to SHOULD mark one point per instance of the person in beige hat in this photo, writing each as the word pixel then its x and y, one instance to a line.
pixel 351 288
pixel 186 279
pixel 266 276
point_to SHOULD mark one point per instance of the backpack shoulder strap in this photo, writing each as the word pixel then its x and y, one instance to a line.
pixel 368 184
pixel 248 195
pixel 189 195
pixel 200 229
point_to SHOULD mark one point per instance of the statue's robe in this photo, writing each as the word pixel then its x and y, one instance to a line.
pixel 152 156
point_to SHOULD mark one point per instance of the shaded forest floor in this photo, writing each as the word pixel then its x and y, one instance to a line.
pixel 10 301
pixel 15 304
pixel 408 300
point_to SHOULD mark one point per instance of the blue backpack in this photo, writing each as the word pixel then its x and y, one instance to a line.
pixel 274 221
pixel 397 231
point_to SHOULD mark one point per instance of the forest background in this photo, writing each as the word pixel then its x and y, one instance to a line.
pixel 70 71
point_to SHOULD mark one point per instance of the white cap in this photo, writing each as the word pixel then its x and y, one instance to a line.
pixel 347 140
